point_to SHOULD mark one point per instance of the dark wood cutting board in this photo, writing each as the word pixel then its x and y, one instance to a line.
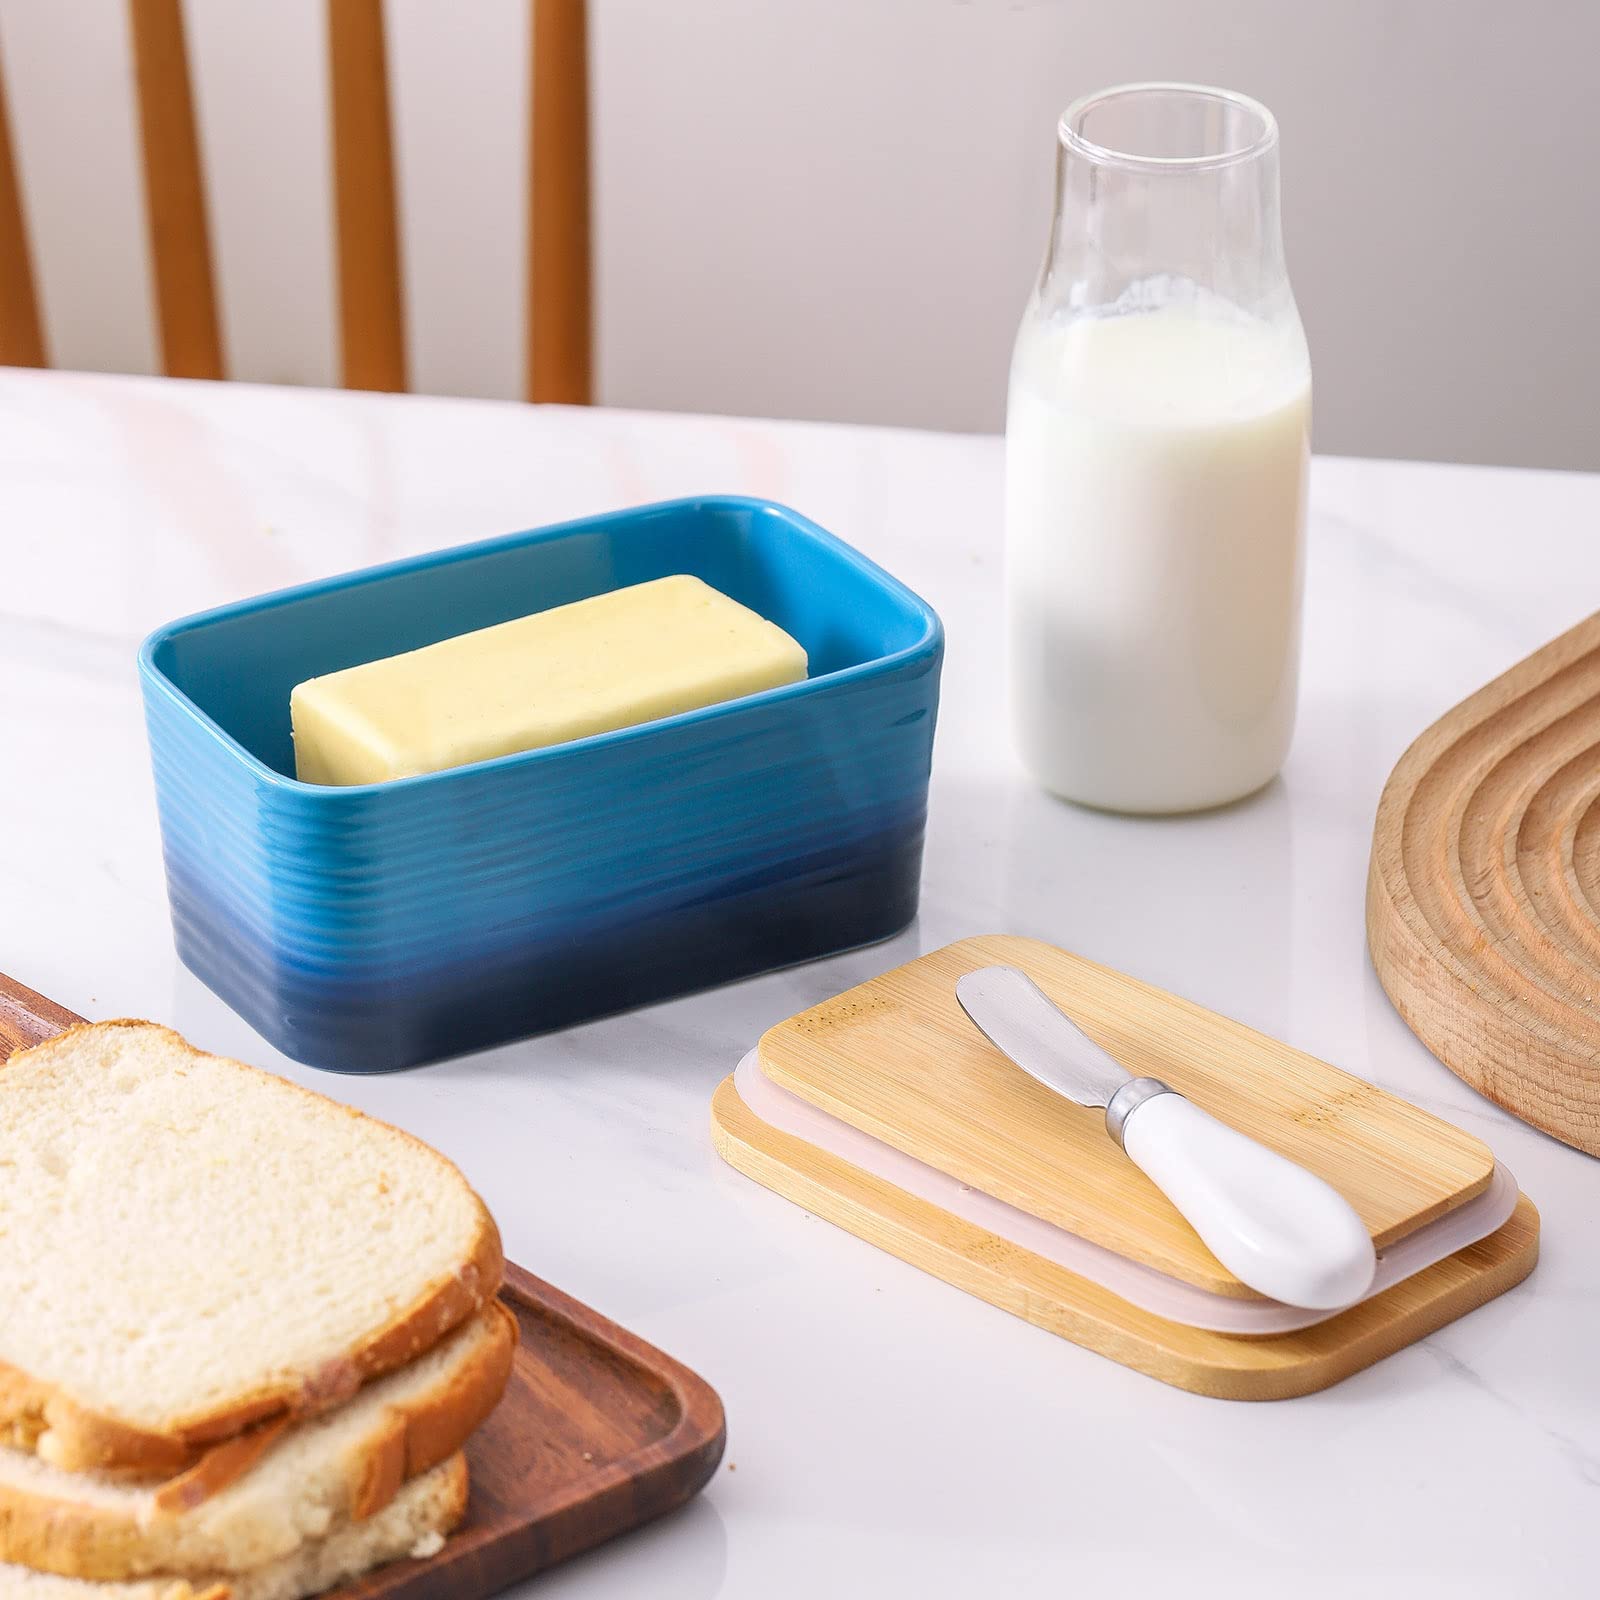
pixel 598 1432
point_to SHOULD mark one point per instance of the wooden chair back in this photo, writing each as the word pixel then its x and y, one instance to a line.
pixel 367 236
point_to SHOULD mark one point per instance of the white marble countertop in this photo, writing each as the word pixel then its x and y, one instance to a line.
pixel 887 1434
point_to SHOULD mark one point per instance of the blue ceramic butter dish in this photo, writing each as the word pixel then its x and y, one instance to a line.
pixel 367 928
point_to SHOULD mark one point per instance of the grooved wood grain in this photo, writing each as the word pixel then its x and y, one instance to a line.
pixel 598 1432
pixel 1221 1365
pixel 1483 895
pixel 180 244
pixel 371 320
pixel 898 1058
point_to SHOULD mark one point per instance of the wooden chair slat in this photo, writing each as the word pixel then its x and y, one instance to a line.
pixel 21 332
pixel 559 334
pixel 371 321
pixel 175 204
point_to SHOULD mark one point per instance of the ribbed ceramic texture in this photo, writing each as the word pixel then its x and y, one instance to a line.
pixel 368 928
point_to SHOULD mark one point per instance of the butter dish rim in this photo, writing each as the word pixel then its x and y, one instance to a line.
pixel 926 646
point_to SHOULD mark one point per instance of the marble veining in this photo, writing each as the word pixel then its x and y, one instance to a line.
pixel 887 1435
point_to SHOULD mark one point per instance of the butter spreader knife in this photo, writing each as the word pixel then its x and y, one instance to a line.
pixel 1276 1227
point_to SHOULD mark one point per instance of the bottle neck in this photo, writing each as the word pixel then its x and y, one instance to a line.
pixel 1187 212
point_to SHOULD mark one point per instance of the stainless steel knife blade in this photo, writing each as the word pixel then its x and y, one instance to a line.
pixel 1023 1022
pixel 1274 1225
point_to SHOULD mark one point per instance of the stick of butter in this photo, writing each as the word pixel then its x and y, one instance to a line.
pixel 611 662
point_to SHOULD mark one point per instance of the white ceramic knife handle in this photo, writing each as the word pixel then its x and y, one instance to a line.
pixel 1275 1226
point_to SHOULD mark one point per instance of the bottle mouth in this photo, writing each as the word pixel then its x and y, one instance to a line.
pixel 1156 127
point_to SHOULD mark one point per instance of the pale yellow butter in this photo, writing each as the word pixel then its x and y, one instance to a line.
pixel 611 662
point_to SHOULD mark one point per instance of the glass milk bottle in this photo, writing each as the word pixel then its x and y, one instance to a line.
pixel 1157 435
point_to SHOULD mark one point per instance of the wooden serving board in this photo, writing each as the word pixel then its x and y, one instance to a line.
pixel 598 1432
pixel 898 1058
pixel 1483 897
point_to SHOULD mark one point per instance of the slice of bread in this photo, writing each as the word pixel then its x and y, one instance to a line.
pixel 414 1523
pixel 189 1246
pixel 346 1465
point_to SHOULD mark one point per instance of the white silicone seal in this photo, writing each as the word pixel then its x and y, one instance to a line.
pixel 1137 1284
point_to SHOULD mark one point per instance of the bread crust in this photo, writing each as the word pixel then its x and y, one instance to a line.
pixel 45 1418
pixel 78 1540
pixel 421 1436
pixel 221 1465
pixel 451 1495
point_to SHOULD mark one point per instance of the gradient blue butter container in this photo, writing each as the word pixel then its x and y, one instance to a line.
pixel 367 928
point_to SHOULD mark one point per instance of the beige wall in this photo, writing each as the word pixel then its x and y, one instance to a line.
pixel 833 208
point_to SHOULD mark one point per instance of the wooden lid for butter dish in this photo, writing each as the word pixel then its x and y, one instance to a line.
pixel 898 1059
